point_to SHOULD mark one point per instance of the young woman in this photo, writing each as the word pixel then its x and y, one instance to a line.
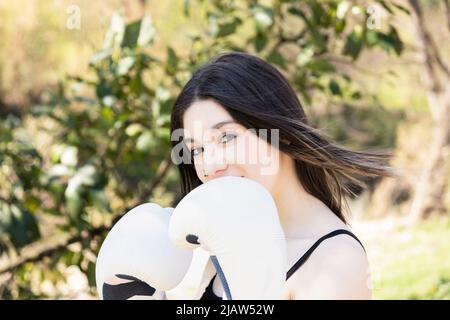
pixel 221 112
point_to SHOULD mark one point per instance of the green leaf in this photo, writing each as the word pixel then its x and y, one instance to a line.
pixel 305 55
pixel 52 211
pixel 99 199
pixel 131 35
pixel 371 37
pixel 163 120
pixel 31 203
pixel 136 86
pixel 124 65
pixel 109 101
pixel 298 12
pixel 260 41
pixel 107 116
pixel 69 156
pixel 156 107
pixel 226 29
pixel 146 31
pixel 356 95
pixel 145 142
pixel 59 170
pixel 90 273
pixel 390 41
pixel 18 224
pixel 74 204
pixel 318 13
pixel 172 61
pixel 277 58
pixel 133 129
pixel 100 56
pixel 164 134
pixel 115 33
pixel 86 176
pixel 340 26
pixel 103 88
pixel 353 45
pixel 320 66
pixel 335 88
pixel 317 37
pixel 263 18
pixel 186 7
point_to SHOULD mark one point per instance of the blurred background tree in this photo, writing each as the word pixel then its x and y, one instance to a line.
pixel 85 111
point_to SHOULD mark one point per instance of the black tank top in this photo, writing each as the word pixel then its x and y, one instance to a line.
pixel 210 295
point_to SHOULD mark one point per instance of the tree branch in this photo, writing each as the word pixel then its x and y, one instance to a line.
pixel 447 11
pixel 160 174
pixel 85 235
pixel 429 47
pixel 50 250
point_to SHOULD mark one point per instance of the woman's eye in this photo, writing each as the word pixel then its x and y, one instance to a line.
pixel 227 137
pixel 196 151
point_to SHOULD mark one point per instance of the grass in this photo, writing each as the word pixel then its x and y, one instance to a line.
pixel 408 262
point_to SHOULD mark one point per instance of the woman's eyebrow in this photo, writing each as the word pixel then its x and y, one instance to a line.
pixel 218 125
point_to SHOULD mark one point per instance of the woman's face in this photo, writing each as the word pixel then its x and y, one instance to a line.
pixel 221 147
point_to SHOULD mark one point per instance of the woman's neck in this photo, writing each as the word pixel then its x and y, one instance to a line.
pixel 301 214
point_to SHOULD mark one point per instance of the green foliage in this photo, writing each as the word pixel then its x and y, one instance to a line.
pixel 110 130
pixel 410 262
pixel 19 179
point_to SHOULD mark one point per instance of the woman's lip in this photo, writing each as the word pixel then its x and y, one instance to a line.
pixel 219 172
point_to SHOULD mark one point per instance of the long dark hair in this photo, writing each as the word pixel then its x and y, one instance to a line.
pixel 258 96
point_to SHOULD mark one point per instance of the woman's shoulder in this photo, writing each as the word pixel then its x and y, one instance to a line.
pixel 337 269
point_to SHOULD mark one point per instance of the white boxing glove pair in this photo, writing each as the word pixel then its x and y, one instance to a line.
pixel 149 250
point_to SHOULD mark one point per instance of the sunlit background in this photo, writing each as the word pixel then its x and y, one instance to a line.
pixel 86 90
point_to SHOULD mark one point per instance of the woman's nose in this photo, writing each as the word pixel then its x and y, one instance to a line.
pixel 213 161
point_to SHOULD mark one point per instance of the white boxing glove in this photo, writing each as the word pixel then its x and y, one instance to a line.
pixel 236 220
pixel 200 274
pixel 137 260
